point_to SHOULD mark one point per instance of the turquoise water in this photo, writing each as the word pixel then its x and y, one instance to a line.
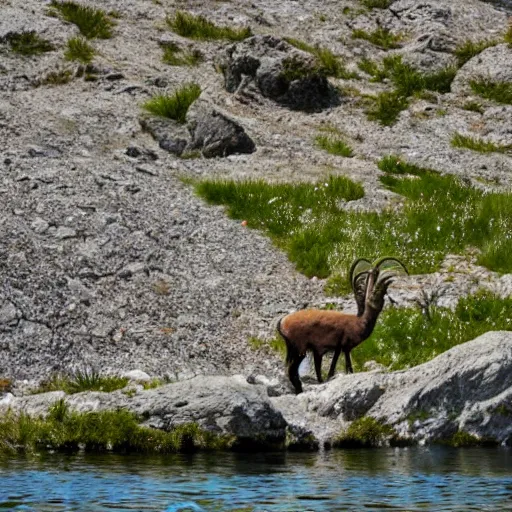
pixel 407 479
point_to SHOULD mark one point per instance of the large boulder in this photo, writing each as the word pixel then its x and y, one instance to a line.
pixel 273 68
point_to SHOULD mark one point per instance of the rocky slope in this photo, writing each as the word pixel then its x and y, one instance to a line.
pixel 108 259
pixel 467 389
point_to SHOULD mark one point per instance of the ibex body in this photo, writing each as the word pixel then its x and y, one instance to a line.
pixel 321 331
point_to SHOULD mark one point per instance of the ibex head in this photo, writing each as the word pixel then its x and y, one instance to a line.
pixel 370 281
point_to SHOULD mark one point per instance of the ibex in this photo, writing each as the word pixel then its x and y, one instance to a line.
pixel 322 331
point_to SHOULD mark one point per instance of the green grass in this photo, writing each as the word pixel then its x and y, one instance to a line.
pixel 78 49
pixel 500 92
pixel 386 107
pixel 407 81
pixel 482 146
pixel 83 380
pixel 198 27
pixel 508 34
pixel 441 215
pixel 470 49
pixel 57 77
pixel 377 4
pixel 334 145
pixel 473 106
pixel 174 56
pixel 92 23
pixel 406 337
pixel 365 432
pixel 28 43
pixel 174 106
pixel 381 37
pixel 328 63
pixel 114 431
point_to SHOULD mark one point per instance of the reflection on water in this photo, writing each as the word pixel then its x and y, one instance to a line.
pixel 413 479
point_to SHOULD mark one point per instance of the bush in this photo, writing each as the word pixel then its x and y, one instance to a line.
pixel 500 92
pixel 28 43
pixel 198 27
pixel 80 50
pixel 381 37
pixel 470 49
pixel 365 432
pixel 174 106
pixel 83 380
pixel 92 23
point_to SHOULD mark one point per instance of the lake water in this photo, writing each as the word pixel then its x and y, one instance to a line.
pixel 407 479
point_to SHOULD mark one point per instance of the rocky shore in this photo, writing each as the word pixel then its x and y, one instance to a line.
pixel 464 392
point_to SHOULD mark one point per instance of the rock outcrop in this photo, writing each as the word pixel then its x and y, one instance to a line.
pixel 466 389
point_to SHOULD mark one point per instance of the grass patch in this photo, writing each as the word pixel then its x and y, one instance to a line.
pixel 92 23
pixel 482 146
pixel 508 34
pixel 386 107
pixel 114 431
pixel 365 432
pixel 83 380
pixel 78 49
pixel 174 106
pixel 28 43
pixel 198 27
pixel 334 145
pixel 174 56
pixel 381 37
pixel 275 344
pixel 377 4
pixel 470 49
pixel 441 215
pixel 283 210
pixel 406 337
pixel 57 77
pixel 328 63
pixel 500 92
pixel 463 439
pixel 473 106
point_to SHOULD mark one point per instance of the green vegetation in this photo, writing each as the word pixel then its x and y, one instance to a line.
pixel 28 43
pixel 328 63
pixel 92 23
pixel 441 215
pixel 470 49
pixel 116 431
pixel 289 213
pixel 5 385
pixel 407 81
pixel 482 146
pixel 334 145
pixel 80 50
pixel 381 37
pixel 406 337
pixel 83 380
pixel 57 77
pixel 377 4
pixel 508 34
pixel 386 107
pixel 501 92
pixel 365 432
pixel 198 27
pixel 420 415
pixel 473 106
pixel 174 56
pixel 275 344
pixel 462 439
pixel 174 106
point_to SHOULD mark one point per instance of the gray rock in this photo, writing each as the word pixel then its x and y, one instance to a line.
pixel 137 375
pixel 8 313
pixel 279 71
pixel 214 134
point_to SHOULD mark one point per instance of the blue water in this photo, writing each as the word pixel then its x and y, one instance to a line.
pixel 406 479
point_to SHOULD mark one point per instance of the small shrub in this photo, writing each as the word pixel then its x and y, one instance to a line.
pixel 198 27
pixel 508 34
pixel 174 106
pixel 386 107
pixel 176 57
pixel 328 63
pixel 371 68
pixel 337 285
pixel 464 141
pixel 462 439
pixel 57 77
pixel 377 4
pixel 28 43
pixel 334 145
pixel 501 92
pixel 470 49
pixel 381 37
pixel 366 432
pixel 92 23
pixel 83 380
pixel 80 50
